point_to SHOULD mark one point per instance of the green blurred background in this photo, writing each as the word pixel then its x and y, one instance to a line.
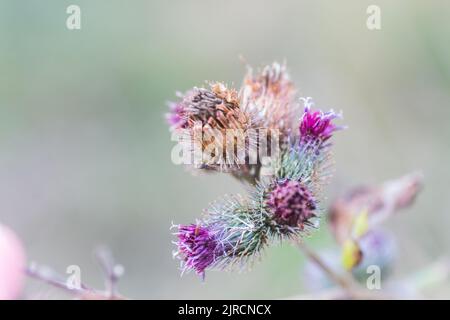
pixel 85 151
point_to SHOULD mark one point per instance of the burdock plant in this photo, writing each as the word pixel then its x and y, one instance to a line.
pixel 285 195
pixel 280 147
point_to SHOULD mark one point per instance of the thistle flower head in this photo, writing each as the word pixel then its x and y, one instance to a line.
pixel 292 204
pixel 316 126
pixel 197 247
pixel 242 230
pixel 270 94
pixel 217 127
pixel 217 108
pixel 273 80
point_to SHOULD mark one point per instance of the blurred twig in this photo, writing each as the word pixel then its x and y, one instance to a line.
pixel 111 270
pixel 52 278
pixel 348 285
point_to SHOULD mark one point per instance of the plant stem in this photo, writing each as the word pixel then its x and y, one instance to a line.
pixel 52 279
pixel 345 282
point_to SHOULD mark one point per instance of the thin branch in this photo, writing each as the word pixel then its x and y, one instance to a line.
pixel 112 273
pixel 49 276
pixel 346 283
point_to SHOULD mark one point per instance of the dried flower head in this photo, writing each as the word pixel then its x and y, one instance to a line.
pixel 197 247
pixel 270 94
pixel 292 204
pixel 218 129
pixel 273 80
pixel 217 107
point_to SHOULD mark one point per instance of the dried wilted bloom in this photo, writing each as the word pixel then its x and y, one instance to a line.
pixel 197 247
pixel 292 203
pixel 265 101
pixel 272 81
pixel 218 128
pixel 217 108
pixel 271 95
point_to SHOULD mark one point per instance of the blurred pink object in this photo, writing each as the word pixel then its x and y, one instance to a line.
pixel 12 264
pixel 380 202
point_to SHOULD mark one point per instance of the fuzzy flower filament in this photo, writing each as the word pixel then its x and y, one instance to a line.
pixel 197 247
pixel 316 127
pixel 175 116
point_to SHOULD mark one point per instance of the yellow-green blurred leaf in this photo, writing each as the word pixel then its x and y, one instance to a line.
pixel 361 224
pixel 351 254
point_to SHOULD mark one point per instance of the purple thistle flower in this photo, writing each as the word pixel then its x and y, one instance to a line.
pixel 197 247
pixel 292 203
pixel 176 116
pixel 317 126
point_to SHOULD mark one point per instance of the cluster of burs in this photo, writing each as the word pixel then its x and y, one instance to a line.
pixel 285 204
